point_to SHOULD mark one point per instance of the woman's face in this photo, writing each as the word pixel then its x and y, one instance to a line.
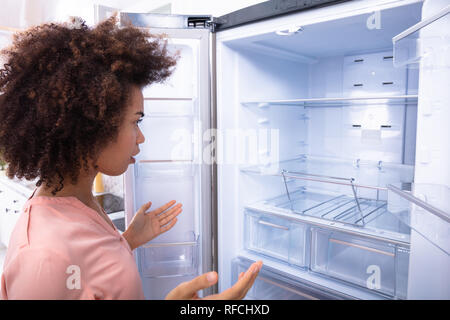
pixel 115 158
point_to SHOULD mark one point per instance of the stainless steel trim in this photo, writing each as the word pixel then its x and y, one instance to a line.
pixel 357 201
pixel 433 210
pixel 214 179
pixel 334 182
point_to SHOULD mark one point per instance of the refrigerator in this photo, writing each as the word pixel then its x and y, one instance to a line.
pixel 311 135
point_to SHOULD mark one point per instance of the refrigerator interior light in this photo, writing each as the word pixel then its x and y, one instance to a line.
pixel 290 31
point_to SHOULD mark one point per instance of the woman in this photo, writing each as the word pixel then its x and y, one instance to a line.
pixel 70 107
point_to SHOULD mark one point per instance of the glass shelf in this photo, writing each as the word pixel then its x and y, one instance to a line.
pixel 364 174
pixel 415 43
pixel 337 102
pixel 336 208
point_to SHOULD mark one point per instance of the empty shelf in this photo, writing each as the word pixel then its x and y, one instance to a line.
pixel 334 208
pixel 368 174
pixel 336 102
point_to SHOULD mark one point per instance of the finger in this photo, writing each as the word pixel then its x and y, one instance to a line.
pixel 145 207
pixel 170 217
pixel 164 207
pixel 170 211
pixel 190 288
pixel 241 287
pixel 169 225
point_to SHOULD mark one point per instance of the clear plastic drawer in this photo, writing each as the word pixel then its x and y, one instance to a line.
pixel 169 259
pixel 273 286
pixel 372 264
pixel 275 236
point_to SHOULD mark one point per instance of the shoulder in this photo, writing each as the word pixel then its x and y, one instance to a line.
pixel 57 224
pixel 40 273
pixel 59 227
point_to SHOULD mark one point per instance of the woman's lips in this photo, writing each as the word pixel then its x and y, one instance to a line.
pixel 133 160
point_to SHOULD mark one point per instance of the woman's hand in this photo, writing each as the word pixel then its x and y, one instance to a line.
pixel 145 226
pixel 188 290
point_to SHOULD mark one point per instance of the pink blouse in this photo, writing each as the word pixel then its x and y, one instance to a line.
pixel 62 249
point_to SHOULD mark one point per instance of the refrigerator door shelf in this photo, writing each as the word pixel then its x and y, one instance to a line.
pixel 270 285
pixel 426 209
pixel 159 259
pixel 422 42
pixel 375 265
pixel 336 102
pixel 277 237
pixel 161 188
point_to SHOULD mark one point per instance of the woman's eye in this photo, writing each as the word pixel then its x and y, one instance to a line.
pixel 138 121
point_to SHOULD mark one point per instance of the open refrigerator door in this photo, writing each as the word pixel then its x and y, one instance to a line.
pixel 170 166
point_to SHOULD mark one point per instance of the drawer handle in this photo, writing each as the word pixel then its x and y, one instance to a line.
pixel 273 225
pixel 307 296
pixel 362 247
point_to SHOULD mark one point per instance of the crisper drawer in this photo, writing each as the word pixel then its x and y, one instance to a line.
pixel 278 237
pixel 274 286
pixel 372 264
pixel 169 259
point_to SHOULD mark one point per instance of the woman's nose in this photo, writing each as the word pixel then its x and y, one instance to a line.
pixel 140 137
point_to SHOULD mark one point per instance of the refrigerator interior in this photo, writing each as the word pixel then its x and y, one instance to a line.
pixel 315 122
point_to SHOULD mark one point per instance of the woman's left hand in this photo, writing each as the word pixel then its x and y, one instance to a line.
pixel 145 226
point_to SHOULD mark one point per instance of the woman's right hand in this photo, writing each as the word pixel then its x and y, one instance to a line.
pixel 188 290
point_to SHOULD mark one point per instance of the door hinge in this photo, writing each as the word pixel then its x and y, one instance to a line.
pixel 203 22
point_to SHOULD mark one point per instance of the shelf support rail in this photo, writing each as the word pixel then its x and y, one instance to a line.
pixel 326 179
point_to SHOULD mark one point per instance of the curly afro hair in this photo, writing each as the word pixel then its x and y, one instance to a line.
pixel 63 94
